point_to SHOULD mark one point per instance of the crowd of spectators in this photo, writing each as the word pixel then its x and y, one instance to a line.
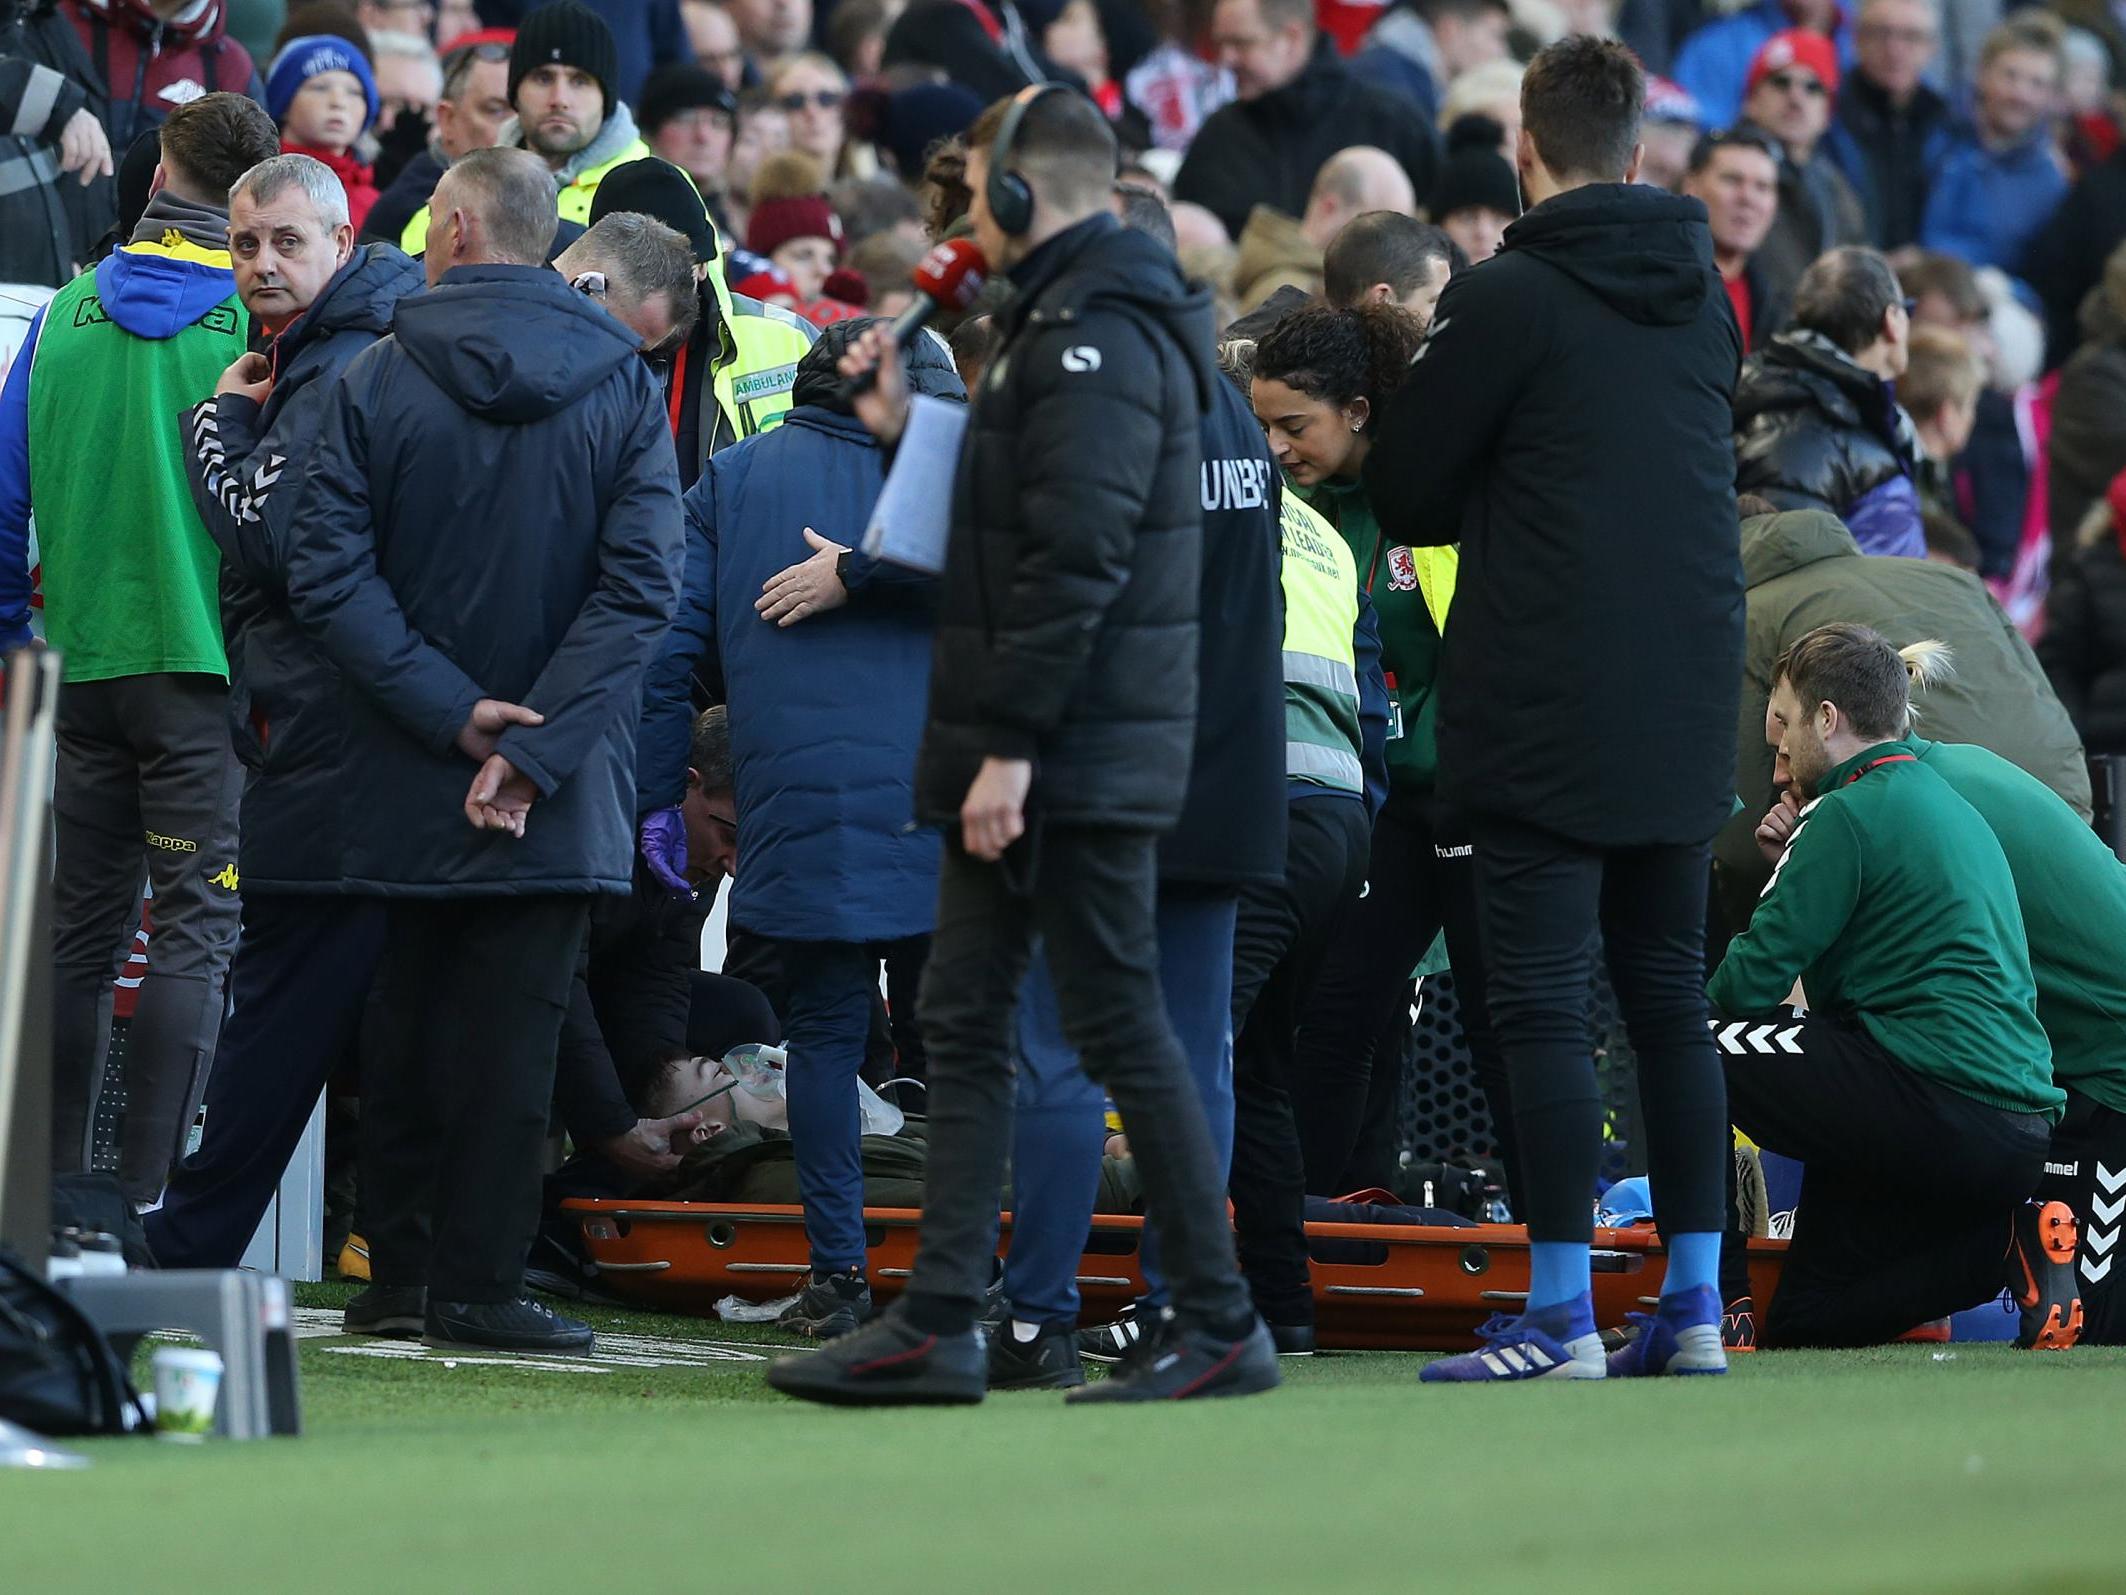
pixel 1917 210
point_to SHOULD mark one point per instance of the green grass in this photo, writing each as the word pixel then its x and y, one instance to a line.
pixel 1929 1469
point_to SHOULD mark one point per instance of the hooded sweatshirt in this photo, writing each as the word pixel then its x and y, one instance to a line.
pixel 89 443
pixel 1598 606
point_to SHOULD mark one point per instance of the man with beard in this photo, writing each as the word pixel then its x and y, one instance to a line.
pixel 560 74
pixel 1918 1089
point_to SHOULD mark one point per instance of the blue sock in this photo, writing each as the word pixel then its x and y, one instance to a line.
pixel 1693 1263
pixel 1560 1279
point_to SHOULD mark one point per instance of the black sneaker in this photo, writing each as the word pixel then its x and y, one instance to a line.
pixel 1292 1340
pixel 994 1306
pixel 522 1325
pixel 887 1363
pixel 829 1307
pixel 1191 1365
pixel 1117 1341
pixel 555 1270
pixel 2041 1276
pixel 387 1310
pixel 1049 1361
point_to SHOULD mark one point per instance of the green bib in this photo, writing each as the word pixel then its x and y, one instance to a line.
pixel 130 574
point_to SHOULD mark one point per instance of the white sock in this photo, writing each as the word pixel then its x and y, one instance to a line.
pixel 1023 1332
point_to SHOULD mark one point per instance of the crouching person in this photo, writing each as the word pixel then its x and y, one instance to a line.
pixel 1918 1090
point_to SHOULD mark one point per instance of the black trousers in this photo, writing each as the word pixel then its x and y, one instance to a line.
pixel 1543 898
pixel 457 1091
pixel 145 790
pixel 1279 940
pixel 1419 880
pixel 1910 1187
pixel 2086 1169
pixel 1089 894
pixel 297 990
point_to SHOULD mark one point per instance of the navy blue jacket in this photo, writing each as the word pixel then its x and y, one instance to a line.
pixel 492 511
pixel 245 462
pixel 1232 818
pixel 826 714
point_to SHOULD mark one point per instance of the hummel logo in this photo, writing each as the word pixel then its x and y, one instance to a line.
pixel 1741 1037
pixel 2065 1170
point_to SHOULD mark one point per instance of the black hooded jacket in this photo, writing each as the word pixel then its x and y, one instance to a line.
pixel 1266 151
pixel 492 511
pixel 1567 423
pixel 245 464
pixel 1067 619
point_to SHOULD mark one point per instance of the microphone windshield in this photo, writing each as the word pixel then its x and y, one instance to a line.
pixel 952 274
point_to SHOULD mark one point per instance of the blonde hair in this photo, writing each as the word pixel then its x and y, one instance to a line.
pixel 1928 662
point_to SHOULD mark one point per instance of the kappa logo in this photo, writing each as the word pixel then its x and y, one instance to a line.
pixel 1402 571
pixel 225 877
pixel 1081 359
pixel 171 844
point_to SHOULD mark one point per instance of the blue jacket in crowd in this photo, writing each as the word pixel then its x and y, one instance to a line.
pixel 1714 62
pixel 825 714
pixel 492 511
pixel 245 463
pixel 1986 205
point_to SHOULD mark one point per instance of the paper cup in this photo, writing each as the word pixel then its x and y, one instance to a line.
pixel 186 1383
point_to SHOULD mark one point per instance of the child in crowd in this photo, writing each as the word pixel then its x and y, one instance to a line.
pixel 324 97
pixel 792 226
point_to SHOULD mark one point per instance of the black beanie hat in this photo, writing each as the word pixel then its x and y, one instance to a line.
pixel 569 34
pixel 651 187
pixel 1474 172
pixel 681 86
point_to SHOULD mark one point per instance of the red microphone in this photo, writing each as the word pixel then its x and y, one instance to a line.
pixel 950 277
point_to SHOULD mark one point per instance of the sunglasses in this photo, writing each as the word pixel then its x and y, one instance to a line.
pixel 823 99
pixel 473 52
pixel 1808 83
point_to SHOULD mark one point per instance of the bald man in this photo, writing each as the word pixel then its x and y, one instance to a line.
pixel 1277 252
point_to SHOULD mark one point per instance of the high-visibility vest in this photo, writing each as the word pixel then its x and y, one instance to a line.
pixel 1321 735
pixel 572 202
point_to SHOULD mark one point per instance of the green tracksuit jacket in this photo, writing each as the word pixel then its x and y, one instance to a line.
pixel 1895 908
pixel 2072 891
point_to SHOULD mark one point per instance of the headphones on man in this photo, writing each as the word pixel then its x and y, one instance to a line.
pixel 1010 196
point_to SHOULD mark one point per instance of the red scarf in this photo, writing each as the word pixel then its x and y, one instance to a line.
pixel 359 180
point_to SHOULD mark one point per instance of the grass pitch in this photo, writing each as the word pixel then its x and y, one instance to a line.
pixel 1928 1469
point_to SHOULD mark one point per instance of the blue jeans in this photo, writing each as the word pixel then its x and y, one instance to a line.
pixel 827 994
pixel 1059 1128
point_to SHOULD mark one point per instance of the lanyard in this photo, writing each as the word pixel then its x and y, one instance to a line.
pixel 1888 758
pixel 679 387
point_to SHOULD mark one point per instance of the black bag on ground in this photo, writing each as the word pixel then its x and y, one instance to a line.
pixel 58 1374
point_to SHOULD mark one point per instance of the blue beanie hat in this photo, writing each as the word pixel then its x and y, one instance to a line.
pixel 302 59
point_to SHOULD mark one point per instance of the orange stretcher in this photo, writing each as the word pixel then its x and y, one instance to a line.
pixel 1427 1289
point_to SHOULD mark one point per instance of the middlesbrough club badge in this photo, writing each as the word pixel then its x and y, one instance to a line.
pixel 1402 571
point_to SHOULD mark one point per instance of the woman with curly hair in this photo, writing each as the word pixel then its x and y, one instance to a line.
pixel 1321 378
